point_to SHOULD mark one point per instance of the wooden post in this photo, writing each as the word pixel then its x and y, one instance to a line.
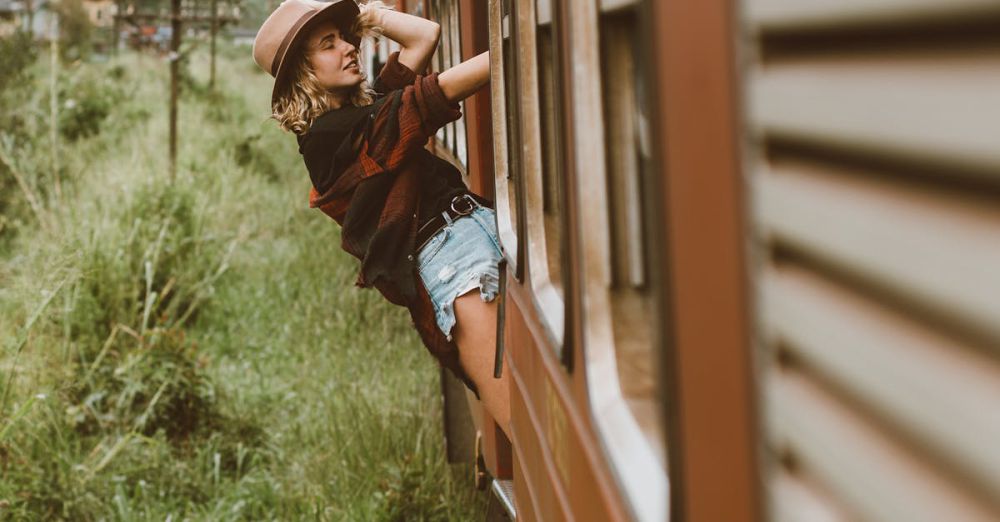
pixel 116 27
pixel 175 45
pixel 215 30
pixel 54 29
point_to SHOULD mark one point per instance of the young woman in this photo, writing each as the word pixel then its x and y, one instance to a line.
pixel 423 239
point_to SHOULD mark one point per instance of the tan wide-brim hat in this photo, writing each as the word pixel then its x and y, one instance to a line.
pixel 282 32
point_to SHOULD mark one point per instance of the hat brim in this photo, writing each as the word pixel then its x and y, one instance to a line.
pixel 344 10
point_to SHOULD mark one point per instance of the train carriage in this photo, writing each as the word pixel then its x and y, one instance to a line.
pixel 750 256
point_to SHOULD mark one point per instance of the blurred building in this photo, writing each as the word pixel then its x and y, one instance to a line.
pixel 11 14
pixel 36 16
pixel 39 19
pixel 100 12
pixel 243 35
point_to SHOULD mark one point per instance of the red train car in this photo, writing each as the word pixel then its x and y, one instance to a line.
pixel 751 256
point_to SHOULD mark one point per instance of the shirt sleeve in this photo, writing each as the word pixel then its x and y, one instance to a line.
pixel 404 124
pixel 394 75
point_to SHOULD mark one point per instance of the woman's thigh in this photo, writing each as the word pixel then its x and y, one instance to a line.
pixel 475 335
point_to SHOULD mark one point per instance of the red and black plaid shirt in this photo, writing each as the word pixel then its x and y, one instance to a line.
pixel 366 164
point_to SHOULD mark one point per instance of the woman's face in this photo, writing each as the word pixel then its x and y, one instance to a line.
pixel 334 59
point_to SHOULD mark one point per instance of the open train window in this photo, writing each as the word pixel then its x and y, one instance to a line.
pixel 620 332
pixel 459 147
pixel 628 159
pixel 451 138
pixel 506 133
pixel 541 161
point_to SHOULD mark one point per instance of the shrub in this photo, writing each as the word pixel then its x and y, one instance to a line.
pixel 88 96
pixel 250 155
pixel 75 29
pixel 146 383
pixel 137 416
pixel 17 53
pixel 135 294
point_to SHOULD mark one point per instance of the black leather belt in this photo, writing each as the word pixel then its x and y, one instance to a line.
pixel 461 205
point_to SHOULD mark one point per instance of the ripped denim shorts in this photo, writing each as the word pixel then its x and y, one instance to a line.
pixel 461 256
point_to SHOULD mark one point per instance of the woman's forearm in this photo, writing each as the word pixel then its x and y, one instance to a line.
pixel 464 79
pixel 417 37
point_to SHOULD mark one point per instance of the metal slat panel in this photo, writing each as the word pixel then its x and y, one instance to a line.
pixel 943 109
pixel 873 121
pixel 939 253
pixel 945 396
pixel 807 14
pixel 874 477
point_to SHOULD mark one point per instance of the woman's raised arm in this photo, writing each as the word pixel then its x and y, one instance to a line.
pixel 417 37
pixel 464 79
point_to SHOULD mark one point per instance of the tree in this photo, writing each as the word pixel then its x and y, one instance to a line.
pixel 75 29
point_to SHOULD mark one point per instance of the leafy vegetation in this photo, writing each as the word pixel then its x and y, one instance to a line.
pixel 194 348
pixel 75 29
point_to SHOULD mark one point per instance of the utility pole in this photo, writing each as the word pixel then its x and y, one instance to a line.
pixel 54 30
pixel 117 27
pixel 175 57
pixel 194 16
pixel 215 29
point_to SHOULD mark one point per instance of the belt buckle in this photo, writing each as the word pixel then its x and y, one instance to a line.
pixel 464 197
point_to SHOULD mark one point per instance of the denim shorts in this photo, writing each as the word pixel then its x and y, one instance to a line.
pixel 463 255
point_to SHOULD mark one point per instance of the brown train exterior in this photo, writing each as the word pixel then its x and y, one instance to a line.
pixel 795 342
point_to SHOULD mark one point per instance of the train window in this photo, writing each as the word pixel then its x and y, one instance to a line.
pixel 451 138
pixel 541 163
pixel 454 23
pixel 506 148
pixel 551 119
pixel 443 16
pixel 627 146
pixel 619 332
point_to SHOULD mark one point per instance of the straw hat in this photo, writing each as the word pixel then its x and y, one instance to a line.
pixel 283 31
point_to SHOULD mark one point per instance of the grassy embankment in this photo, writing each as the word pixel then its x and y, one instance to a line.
pixel 196 349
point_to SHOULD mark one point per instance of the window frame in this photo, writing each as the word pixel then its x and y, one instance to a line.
pixel 550 306
pixel 451 140
pixel 510 221
pixel 635 463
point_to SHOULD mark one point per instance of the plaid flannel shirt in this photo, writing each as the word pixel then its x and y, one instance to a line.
pixel 373 189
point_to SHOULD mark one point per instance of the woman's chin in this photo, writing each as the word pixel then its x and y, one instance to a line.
pixel 354 77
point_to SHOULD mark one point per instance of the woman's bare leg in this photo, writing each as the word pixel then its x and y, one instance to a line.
pixel 475 333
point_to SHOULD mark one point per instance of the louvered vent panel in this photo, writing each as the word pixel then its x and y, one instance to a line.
pixel 873 164
pixel 799 15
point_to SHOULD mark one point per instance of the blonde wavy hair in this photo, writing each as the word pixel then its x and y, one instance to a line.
pixel 305 99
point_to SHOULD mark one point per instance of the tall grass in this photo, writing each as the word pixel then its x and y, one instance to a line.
pixel 196 349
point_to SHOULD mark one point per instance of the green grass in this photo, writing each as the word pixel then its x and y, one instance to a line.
pixel 196 349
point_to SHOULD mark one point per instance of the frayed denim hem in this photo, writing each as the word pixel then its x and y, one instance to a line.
pixel 463 255
pixel 489 286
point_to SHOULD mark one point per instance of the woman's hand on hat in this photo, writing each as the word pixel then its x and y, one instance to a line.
pixel 369 19
pixel 417 37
